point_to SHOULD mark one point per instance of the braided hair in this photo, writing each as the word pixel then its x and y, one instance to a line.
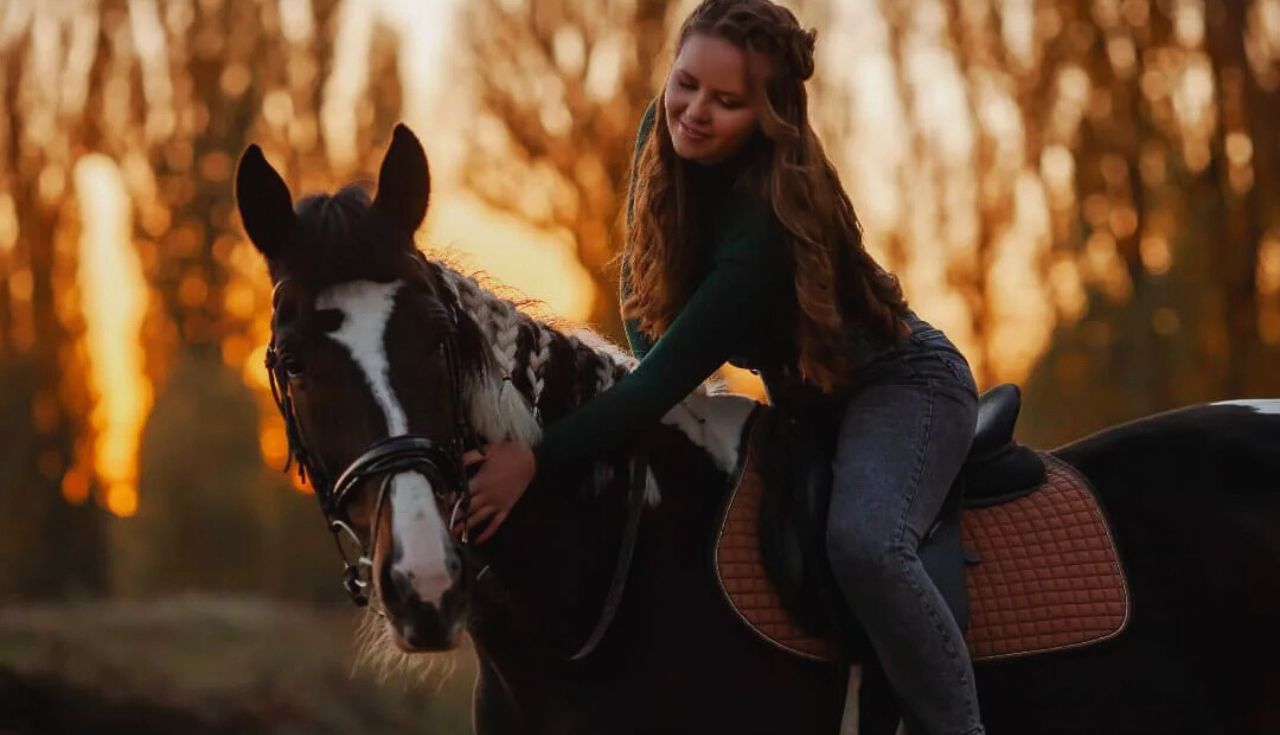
pixel 836 280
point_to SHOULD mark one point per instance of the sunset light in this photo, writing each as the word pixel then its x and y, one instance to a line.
pixel 114 296
pixel 958 191
pixel 1082 195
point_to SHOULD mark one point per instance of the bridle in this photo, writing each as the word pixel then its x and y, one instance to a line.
pixel 440 462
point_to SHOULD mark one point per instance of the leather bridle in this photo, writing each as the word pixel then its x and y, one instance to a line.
pixel 441 463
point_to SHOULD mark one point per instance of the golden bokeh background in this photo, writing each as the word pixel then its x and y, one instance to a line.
pixel 1084 194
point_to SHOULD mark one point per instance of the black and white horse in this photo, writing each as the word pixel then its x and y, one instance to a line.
pixel 389 363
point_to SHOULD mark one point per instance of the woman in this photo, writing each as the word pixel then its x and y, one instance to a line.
pixel 742 245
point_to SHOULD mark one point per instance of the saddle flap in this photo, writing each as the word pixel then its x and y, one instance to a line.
pixel 1050 576
pixel 739 560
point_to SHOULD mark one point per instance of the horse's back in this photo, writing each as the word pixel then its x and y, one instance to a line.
pixel 1218 450
pixel 1194 492
pixel 1193 498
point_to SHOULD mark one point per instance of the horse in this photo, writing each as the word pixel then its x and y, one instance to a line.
pixel 592 610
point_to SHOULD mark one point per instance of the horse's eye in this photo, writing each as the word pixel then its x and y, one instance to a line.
pixel 291 364
pixel 329 320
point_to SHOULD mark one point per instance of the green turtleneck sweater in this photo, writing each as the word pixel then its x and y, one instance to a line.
pixel 729 317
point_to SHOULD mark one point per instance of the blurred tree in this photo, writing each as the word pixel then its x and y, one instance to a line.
pixel 561 85
pixel 1081 191
pixel 48 546
pixel 172 92
pixel 214 76
pixel 1174 150
pixel 1093 184
pixel 199 525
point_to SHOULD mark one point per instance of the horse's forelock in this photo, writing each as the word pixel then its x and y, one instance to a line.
pixel 340 237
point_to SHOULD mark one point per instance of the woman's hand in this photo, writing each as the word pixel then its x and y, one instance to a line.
pixel 506 470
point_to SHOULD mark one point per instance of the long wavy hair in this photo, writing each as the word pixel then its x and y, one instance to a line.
pixel 836 280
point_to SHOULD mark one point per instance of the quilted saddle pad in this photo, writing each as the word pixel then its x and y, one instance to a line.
pixel 1048 576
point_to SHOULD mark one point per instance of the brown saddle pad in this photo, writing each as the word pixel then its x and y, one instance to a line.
pixel 1048 576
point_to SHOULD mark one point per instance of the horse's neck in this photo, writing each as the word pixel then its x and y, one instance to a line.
pixel 509 402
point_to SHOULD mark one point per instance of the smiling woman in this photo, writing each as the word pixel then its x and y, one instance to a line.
pixel 743 246
pixel 707 102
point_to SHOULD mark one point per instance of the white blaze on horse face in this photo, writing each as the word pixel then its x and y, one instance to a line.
pixel 419 534
pixel 417 529
pixel 367 307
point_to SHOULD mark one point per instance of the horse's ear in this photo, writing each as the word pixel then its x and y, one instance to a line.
pixel 266 207
pixel 404 184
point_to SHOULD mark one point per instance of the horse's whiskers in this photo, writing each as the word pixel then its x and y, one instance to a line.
pixel 377 653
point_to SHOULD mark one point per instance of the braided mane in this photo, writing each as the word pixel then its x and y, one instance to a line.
pixel 523 354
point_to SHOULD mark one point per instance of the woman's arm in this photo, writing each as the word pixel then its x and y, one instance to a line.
pixel 746 283
pixel 749 278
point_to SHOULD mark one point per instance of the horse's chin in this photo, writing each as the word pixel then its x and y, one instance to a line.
pixel 409 639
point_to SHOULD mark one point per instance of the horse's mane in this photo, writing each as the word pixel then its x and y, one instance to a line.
pixel 533 356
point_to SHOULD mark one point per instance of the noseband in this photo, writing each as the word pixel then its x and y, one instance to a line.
pixel 440 462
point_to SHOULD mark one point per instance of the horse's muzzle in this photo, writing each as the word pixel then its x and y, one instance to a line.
pixel 420 625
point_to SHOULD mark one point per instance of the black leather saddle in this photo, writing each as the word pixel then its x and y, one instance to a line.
pixel 798 448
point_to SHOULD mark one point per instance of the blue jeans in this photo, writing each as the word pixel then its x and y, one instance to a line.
pixel 906 427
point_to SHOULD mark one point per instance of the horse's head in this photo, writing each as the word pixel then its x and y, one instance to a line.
pixel 366 355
